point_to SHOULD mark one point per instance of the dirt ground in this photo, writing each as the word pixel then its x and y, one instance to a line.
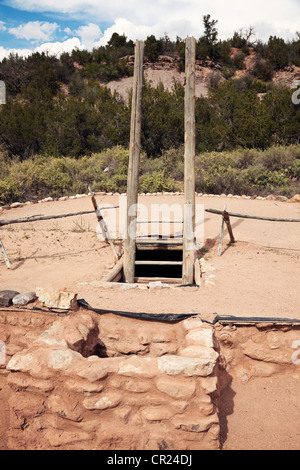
pixel 257 276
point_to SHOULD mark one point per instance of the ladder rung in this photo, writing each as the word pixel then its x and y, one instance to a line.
pixel 166 280
pixel 158 263
pixel 159 221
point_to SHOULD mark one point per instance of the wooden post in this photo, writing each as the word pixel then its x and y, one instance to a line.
pixel 5 255
pixel 222 233
pixel 133 166
pixel 102 224
pixel 229 228
pixel 189 164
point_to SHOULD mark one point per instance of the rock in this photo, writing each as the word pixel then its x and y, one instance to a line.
pixel 262 352
pixel 97 402
pixel 209 384
pixel 17 381
pixel 191 323
pixel 157 285
pixel 63 300
pixel 62 358
pixel 295 198
pixel 176 388
pixel 174 365
pixel 6 297
pixel 137 386
pixel 195 425
pixel 22 362
pixel 157 413
pixel 61 438
pixel 141 367
pixel 64 408
pixel 47 199
pixel 24 299
pixel 159 349
pixel 200 337
pixel 198 351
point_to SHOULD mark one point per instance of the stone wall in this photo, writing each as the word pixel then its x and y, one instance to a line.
pixel 19 328
pixel 263 350
pixel 105 382
pixel 89 381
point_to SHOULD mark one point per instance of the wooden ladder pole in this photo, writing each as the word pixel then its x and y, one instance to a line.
pixel 102 224
pixel 5 255
pixel 133 165
pixel 189 251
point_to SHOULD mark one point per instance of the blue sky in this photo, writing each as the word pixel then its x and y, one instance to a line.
pixel 60 25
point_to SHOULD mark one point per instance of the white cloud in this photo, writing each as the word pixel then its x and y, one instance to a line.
pixel 138 19
pixel 177 17
pixel 21 52
pixel 2 26
pixel 89 34
pixel 57 48
pixel 35 31
pixel 131 31
pixel 52 48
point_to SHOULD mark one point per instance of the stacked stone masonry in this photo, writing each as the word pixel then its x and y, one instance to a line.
pixel 90 381
pixel 98 382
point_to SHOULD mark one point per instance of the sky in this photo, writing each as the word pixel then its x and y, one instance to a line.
pixel 57 26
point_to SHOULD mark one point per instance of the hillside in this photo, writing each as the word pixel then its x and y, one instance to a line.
pixel 207 73
pixel 66 122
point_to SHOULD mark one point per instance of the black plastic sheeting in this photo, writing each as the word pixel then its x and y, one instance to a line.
pixel 171 317
pixel 229 319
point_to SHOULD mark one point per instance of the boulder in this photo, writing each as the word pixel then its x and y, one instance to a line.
pixel 24 299
pixel 63 300
pixel 6 297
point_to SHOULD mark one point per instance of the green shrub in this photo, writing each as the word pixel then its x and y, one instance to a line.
pixel 157 182
pixel 249 171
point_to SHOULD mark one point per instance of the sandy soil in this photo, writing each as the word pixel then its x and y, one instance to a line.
pixel 258 276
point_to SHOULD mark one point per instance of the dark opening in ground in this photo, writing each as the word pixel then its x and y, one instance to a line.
pixel 158 263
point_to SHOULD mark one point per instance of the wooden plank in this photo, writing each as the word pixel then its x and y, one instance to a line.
pixel 102 224
pixel 165 280
pixel 34 218
pixel 189 164
pixel 5 255
pixel 158 263
pixel 197 272
pixel 221 235
pixel 247 216
pixel 157 245
pixel 159 222
pixel 115 273
pixel 133 165
pixel 161 241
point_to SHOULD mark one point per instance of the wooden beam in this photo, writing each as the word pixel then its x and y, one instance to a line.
pixel 102 224
pixel 133 166
pixel 35 218
pixel 5 255
pixel 114 273
pixel 189 164
pixel 158 263
pixel 164 280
